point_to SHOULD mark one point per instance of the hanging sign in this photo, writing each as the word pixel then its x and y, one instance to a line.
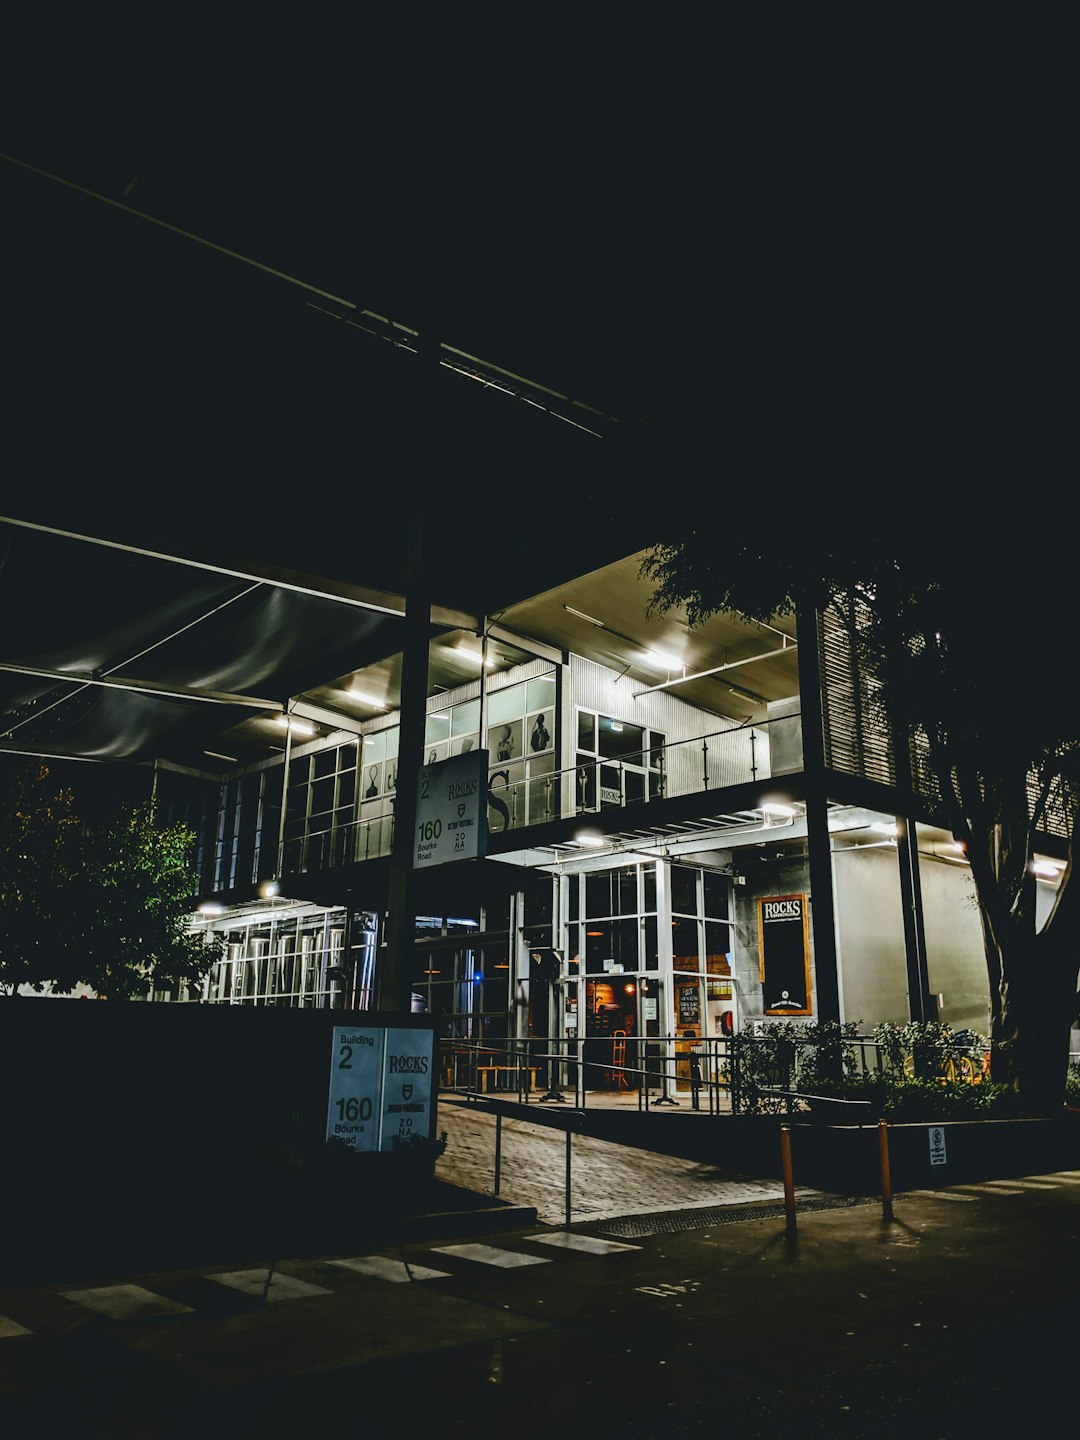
pixel 451 811
pixel 784 954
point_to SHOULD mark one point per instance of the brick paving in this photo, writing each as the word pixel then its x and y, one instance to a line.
pixel 607 1180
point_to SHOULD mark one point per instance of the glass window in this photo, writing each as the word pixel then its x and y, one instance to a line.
pixel 347 757
pixel 437 727
pixel 586 729
pixel 685 944
pixel 322 795
pixel 325 763
pixel 573 889
pixel 716 894
pixel 504 705
pixel 718 938
pixel 650 887
pixel 540 725
pixel 506 741
pixel 374 747
pixel 615 940
pixel 347 787
pixel 684 890
pixel 541 693
pixel 618 738
pixel 465 719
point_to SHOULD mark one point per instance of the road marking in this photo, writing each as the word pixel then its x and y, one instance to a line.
pixel 587 1244
pixel 1026 1184
pixel 395 1270
pixel 282 1287
pixel 939 1195
pixel 126 1302
pixel 991 1188
pixel 491 1255
pixel 8 1328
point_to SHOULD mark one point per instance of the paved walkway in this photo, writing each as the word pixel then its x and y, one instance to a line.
pixel 607 1179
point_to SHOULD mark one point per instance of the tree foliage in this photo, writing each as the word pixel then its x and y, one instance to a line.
pixel 958 612
pixel 107 905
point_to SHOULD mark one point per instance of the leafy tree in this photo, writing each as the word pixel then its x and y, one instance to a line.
pixel 957 614
pixel 133 897
pixel 108 905
pixel 40 853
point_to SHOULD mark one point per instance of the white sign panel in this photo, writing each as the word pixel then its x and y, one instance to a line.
pixel 451 811
pixel 356 1066
pixel 406 1108
pixel 937 1145
pixel 380 1085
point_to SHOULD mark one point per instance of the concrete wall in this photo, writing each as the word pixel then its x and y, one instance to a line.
pixel 955 960
pixel 870 935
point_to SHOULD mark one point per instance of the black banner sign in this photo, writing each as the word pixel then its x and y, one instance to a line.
pixel 784 951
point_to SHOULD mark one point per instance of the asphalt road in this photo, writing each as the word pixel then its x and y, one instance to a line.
pixel 961 1318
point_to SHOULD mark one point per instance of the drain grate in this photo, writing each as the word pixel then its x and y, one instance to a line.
pixel 673 1220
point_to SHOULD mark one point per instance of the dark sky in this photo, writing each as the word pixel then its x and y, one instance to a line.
pixel 819 260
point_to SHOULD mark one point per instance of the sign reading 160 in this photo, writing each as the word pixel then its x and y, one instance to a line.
pixel 430 830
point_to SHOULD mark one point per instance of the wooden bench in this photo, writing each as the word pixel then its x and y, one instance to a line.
pixel 484 1071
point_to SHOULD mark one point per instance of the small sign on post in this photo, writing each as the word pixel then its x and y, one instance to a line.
pixel 937 1145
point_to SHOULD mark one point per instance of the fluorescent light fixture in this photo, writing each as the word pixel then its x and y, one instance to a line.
pixel 365 699
pixel 217 755
pixel 616 724
pixel 663 659
pixel 296 727
pixel 780 812
pixel 1046 869
pixel 582 616
pixel 471 655
pixel 211 907
pixel 590 840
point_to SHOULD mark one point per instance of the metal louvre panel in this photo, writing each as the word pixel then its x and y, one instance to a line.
pixel 855 733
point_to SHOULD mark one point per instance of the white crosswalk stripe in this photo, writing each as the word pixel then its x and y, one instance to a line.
pixel 991 1188
pixel 395 1270
pixel 282 1287
pixel 586 1244
pixel 1027 1183
pixel 126 1302
pixel 940 1195
pixel 9 1328
pixel 492 1255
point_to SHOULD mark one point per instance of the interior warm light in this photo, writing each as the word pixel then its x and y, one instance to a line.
pixel 431 972
pixel 594 933
pixel 503 966
pixel 365 699
pixel 629 989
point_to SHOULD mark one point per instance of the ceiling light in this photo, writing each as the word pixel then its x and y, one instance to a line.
pixel 365 699
pixel 782 812
pixel 663 659
pixel 295 727
pixel 1046 868
pixel 268 888
pixel 885 827
pixel 471 655
pixel 211 907
pixel 217 755
pixel 590 840
pixel 582 616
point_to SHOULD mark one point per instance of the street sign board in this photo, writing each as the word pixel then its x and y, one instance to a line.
pixel 380 1086
pixel 936 1137
pixel 451 811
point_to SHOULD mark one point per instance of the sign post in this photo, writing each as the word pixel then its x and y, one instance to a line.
pixel 380 1086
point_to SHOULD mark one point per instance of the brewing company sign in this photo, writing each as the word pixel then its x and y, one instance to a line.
pixel 451 811
pixel 784 954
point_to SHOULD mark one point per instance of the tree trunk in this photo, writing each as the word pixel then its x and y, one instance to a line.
pixel 1032 1020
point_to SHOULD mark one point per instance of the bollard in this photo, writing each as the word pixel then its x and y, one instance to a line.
pixel 498 1152
pixel 789 1183
pixel 568 1141
pixel 886 1175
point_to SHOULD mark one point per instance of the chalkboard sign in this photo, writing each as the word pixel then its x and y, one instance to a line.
pixel 689 1004
pixel 784 950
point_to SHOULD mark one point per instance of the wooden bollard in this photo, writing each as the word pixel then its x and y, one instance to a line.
pixel 789 1183
pixel 886 1174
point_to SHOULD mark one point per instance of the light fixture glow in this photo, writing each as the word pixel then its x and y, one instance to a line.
pixel 268 888
pixel 473 657
pixel 884 827
pixel 782 812
pixel 591 841
pixel 663 659
pixel 211 907
pixel 295 727
pixel 365 699
pixel 582 616
pixel 1046 869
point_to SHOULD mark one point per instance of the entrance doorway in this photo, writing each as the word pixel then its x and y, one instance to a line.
pixel 611 1048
